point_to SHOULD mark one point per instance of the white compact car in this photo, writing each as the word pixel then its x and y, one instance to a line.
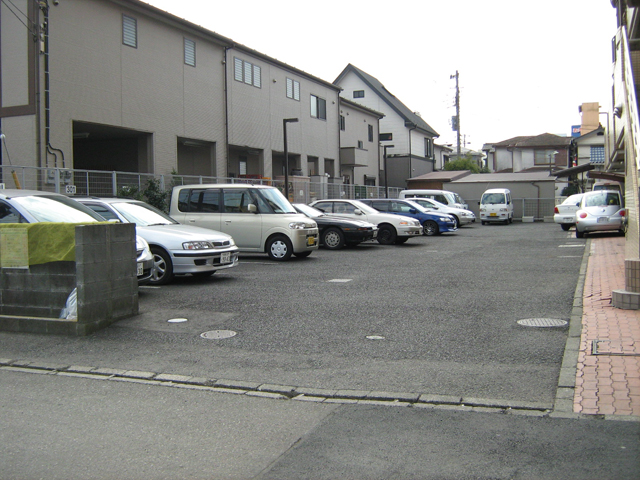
pixel 392 229
pixel 177 249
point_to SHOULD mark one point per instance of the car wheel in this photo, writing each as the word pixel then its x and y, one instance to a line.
pixel 565 226
pixel 430 228
pixel 303 254
pixel 333 239
pixel 162 268
pixel 579 234
pixel 483 222
pixel 457 221
pixel 387 235
pixel 279 248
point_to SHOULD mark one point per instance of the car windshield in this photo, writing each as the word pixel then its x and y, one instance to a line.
pixel 573 199
pixel 493 198
pixel 365 208
pixel 309 211
pixel 52 208
pixel 417 206
pixel 458 198
pixel 142 214
pixel 602 200
pixel 276 200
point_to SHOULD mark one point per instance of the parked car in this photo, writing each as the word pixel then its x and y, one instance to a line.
pixel 392 229
pixel 496 205
pixel 31 206
pixel 601 210
pixel 461 216
pixel 337 232
pixel 565 212
pixel 446 197
pixel 258 217
pixel 177 249
pixel 432 223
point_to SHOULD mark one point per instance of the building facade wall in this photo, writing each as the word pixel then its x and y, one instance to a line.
pixel 256 115
pixel 356 129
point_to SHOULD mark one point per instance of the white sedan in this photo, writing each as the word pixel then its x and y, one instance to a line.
pixel 565 213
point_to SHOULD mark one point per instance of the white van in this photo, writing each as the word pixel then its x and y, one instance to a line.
pixel 608 185
pixel 258 217
pixel 445 197
pixel 496 205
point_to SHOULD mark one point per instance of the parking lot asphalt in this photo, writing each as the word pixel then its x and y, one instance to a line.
pixel 437 320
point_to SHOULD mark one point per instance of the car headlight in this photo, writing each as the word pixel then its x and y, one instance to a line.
pixel 301 225
pixel 445 219
pixel 197 245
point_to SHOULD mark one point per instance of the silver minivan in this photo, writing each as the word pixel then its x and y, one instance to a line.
pixel 258 217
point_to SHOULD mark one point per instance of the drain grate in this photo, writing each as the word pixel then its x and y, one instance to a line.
pixel 542 322
pixel 218 334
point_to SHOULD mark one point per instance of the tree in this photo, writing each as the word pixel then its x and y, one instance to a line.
pixel 464 163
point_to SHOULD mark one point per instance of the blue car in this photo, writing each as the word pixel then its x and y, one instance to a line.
pixel 432 223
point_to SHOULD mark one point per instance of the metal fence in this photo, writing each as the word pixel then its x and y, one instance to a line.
pixel 98 183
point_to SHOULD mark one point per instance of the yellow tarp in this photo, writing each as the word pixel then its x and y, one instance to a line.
pixel 48 242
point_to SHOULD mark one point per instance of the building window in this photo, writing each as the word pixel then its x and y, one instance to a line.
pixel 358 94
pixel 428 147
pixel 342 123
pixel 360 144
pixel 370 133
pixel 129 31
pixel 293 89
pixel 189 52
pixel 597 155
pixel 318 107
pixel 247 72
pixel 544 157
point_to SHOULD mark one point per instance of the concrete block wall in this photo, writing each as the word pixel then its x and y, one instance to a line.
pixel 104 273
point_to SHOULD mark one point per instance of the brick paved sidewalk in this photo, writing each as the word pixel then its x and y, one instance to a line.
pixel 608 369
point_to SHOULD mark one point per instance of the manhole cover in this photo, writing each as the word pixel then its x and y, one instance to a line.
pixel 218 334
pixel 542 322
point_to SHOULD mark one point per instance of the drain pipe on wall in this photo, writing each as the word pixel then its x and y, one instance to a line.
pixel 44 6
pixel 226 111
pixel 414 126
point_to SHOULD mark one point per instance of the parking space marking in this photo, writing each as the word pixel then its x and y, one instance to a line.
pixel 340 280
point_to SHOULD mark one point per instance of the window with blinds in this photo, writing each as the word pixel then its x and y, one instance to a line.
pixel 247 72
pixel 129 31
pixel 189 52
pixel 293 89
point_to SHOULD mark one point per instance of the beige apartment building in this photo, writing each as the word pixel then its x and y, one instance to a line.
pixel 119 85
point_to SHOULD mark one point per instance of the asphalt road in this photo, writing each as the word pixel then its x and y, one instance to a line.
pixel 442 315
pixel 442 312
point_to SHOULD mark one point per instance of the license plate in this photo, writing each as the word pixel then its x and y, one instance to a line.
pixel 140 269
pixel 568 219
pixel 603 219
pixel 225 257
pixel 311 241
pixel 493 214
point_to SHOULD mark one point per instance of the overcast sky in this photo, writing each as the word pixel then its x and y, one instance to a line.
pixel 524 67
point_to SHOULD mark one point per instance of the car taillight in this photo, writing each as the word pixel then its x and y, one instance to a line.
pixel 623 213
pixel 555 210
pixel 583 215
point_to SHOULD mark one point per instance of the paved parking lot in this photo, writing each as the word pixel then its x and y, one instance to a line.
pixel 437 315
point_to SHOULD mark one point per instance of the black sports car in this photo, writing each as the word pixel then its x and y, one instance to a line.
pixel 336 232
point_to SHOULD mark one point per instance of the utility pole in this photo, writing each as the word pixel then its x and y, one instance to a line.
pixel 456 119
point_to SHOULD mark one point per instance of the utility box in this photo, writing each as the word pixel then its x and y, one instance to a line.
pixel 41 264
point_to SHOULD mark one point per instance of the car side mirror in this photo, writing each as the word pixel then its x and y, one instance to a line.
pixel 357 211
pixel 252 208
pixel 413 211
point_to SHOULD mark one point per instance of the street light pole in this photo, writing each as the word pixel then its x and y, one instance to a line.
pixel 286 155
pixel 386 183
